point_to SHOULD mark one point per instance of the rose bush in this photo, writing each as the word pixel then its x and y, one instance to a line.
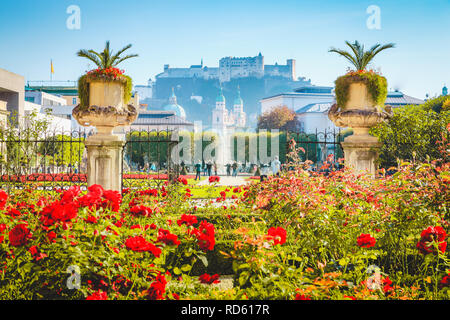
pixel 301 236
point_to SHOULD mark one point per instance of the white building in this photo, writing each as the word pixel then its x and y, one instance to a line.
pixel 299 98
pixel 314 118
pixel 44 99
pixel 57 124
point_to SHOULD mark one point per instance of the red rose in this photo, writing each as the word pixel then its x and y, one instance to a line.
pixel 139 244
pixel 208 279
pixel 99 295
pixel 187 219
pixel 205 236
pixel 299 296
pixel 141 211
pixel 278 235
pixel 366 241
pixel 214 179
pixel 96 189
pixel 168 238
pixel 19 235
pixel 51 236
pixel 3 199
pixel 157 288
pixel 445 282
pixel 431 236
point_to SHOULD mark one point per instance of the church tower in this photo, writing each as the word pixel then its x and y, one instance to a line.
pixel 220 113
pixel 239 116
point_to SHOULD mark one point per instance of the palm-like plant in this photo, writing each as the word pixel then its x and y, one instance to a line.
pixel 358 57
pixel 106 59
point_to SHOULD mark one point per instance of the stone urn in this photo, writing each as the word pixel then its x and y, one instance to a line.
pixel 105 111
pixel 360 113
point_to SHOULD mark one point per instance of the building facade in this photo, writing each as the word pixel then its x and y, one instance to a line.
pixel 234 119
pixel 12 92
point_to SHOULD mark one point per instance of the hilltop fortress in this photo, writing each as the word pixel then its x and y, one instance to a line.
pixel 196 87
pixel 233 68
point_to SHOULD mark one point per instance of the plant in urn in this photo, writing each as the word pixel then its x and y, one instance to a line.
pixel 104 95
pixel 360 97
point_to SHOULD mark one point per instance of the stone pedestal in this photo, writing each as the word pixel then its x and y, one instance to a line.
pixel 104 165
pixel 361 152
pixel 361 156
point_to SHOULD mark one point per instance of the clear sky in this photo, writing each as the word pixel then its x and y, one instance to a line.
pixel 182 32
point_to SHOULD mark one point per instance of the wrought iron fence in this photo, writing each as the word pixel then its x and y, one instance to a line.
pixel 147 158
pixel 317 146
pixel 42 160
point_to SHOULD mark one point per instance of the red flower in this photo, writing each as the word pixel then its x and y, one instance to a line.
pixel 3 199
pixel 168 238
pixel 209 279
pixel 445 282
pixel 187 219
pixel 366 241
pixel 99 295
pixel 157 288
pixel 278 235
pixel 96 189
pixel 430 236
pixel 214 179
pixel 205 236
pixel 19 235
pixel 91 219
pixel 182 180
pixel 139 244
pixel 298 296
pixel 51 236
pixel 387 285
pixel 141 211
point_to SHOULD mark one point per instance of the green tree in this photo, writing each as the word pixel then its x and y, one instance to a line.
pixel 281 118
pixel 412 134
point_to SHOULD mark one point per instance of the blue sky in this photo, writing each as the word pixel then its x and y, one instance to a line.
pixel 182 32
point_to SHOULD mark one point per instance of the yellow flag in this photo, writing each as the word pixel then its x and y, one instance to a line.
pixel 51 66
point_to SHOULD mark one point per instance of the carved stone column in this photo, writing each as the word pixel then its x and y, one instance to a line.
pixel 104 163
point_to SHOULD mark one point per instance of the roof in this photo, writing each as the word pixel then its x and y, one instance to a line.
pixel 299 94
pixel 314 89
pixel 152 118
pixel 315 107
pixel 397 98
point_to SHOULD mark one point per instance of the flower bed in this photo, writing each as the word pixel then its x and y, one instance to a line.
pixel 299 236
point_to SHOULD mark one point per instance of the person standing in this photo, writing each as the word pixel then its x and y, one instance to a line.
pixel 276 164
pixel 215 168
pixel 198 171
pixel 228 169
pixel 235 166
pixel 208 168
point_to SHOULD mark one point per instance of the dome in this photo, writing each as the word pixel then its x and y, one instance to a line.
pixel 179 110
pixel 220 97
pixel 174 106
